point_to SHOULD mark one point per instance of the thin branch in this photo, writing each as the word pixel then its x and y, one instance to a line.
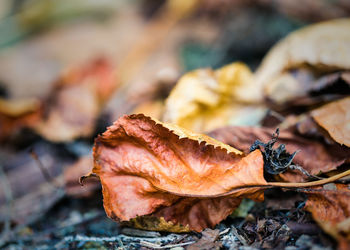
pixel 156 246
pixel 6 186
pixel 43 169
pixel 304 172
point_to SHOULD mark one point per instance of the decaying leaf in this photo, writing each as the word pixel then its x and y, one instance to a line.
pixel 331 210
pixel 10 125
pixel 313 156
pixel 205 99
pixel 335 118
pixel 70 111
pixel 15 108
pixel 323 45
pixel 147 167
pixel 289 85
pixel 208 241
pixel 76 102
pixel 304 87
pixel 16 114
pixel 187 180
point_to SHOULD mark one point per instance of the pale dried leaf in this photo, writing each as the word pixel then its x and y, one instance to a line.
pixel 323 45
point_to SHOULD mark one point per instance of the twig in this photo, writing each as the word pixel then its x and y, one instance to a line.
pixel 90 238
pixel 43 170
pixel 239 237
pixel 169 238
pixel 303 228
pixel 140 233
pixel 9 200
pixel 121 245
pixel 311 183
pixel 58 228
pixel 304 172
pixel 156 246
pixel 224 231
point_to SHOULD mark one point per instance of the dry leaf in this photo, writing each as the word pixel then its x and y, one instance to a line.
pixel 147 167
pixel 16 114
pixel 10 125
pixel 303 88
pixel 16 108
pixel 336 83
pixel 314 156
pixel 335 118
pixel 289 86
pixel 71 109
pixel 324 46
pixel 189 181
pixel 205 99
pixel 331 210
pixel 75 103
pixel 208 241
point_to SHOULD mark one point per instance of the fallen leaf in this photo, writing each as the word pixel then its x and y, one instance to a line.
pixel 204 99
pixel 188 180
pixel 335 83
pixel 331 210
pixel 335 118
pixel 208 241
pixel 15 108
pixel 75 103
pixel 305 125
pixel 289 86
pixel 314 156
pixel 16 114
pixel 304 88
pixel 11 125
pixel 152 168
pixel 324 46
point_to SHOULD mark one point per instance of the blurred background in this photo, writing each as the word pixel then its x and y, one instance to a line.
pixel 68 69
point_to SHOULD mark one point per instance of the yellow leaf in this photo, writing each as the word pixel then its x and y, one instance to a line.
pixel 205 99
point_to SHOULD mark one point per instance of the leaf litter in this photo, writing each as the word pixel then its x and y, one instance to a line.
pixel 162 177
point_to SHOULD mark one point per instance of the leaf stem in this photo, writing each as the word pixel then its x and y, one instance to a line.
pixel 311 183
pixel 289 185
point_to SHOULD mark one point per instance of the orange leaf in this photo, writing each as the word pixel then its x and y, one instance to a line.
pixel 331 210
pixel 76 101
pixel 335 118
pixel 150 168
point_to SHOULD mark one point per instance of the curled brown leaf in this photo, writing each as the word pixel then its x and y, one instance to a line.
pixel 150 168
